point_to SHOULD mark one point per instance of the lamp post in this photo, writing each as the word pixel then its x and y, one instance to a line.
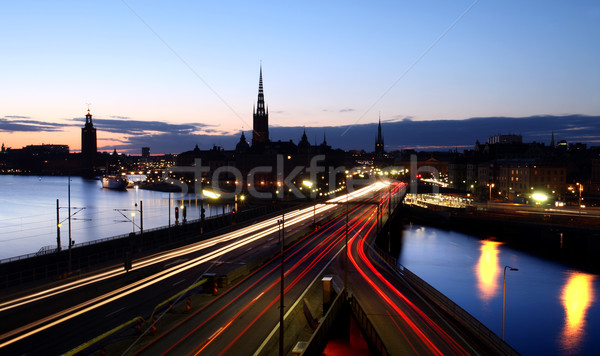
pixel 580 188
pixel 491 185
pixel 504 295
pixel 308 184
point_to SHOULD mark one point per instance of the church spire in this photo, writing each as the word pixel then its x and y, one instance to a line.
pixel 379 141
pixel 260 132
pixel 552 140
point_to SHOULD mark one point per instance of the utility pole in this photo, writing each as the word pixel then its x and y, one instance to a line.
pixel 57 227
pixel 281 306
pixel 347 252
pixel 141 217
pixel 70 224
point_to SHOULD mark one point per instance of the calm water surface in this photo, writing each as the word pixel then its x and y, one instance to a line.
pixel 28 211
pixel 551 309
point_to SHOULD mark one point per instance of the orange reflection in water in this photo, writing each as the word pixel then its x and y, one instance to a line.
pixel 577 296
pixel 488 270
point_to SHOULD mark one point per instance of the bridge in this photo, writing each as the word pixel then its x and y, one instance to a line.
pixel 222 295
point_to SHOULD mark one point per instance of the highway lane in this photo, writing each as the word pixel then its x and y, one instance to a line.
pixel 66 317
pixel 238 321
pixel 396 310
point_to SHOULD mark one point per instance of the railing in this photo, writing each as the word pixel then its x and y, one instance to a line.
pixel 371 335
pixel 445 303
pixel 102 240
pixel 318 341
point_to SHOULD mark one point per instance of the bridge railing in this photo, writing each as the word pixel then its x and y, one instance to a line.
pixel 445 303
pixel 367 328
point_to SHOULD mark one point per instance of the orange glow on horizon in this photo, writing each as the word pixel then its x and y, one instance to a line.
pixel 488 270
pixel 576 298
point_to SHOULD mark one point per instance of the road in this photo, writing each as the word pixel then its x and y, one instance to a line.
pixel 242 317
pixel 406 322
pixel 54 319
pixel 239 319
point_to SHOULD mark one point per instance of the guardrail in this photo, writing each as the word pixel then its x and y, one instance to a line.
pixel 105 239
pixel 138 320
pixel 367 328
pixel 318 341
pixel 83 347
pixel 176 297
pixel 446 304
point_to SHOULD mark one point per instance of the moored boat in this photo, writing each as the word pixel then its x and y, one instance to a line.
pixel 114 182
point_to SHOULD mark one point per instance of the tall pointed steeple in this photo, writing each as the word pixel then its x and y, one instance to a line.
pixel 260 133
pixel 379 141
pixel 552 140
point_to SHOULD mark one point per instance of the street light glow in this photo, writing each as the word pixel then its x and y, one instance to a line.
pixel 540 197
pixel 307 183
pixel 210 194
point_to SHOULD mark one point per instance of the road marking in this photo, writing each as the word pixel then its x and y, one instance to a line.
pixel 115 312
pixel 181 281
pixel 176 261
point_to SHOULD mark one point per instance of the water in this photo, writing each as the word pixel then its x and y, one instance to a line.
pixel 551 309
pixel 28 211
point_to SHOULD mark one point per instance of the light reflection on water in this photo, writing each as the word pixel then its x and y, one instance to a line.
pixel 551 309
pixel 28 211
pixel 577 296
pixel 488 270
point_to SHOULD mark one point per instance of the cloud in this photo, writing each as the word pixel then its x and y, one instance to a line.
pixel 24 124
pixel 17 117
pixel 347 110
pixel 125 126
pixel 397 118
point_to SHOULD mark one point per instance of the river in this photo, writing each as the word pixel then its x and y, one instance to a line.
pixel 28 211
pixel 551 309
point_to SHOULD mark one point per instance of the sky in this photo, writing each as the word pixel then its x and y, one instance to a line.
pixel 156 71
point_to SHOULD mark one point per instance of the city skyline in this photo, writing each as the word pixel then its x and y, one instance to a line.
pixel 192 69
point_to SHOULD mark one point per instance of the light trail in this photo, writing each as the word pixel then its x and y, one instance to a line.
pixel 70 313
pixel 336 236
pixel 332 241
pixel 360 249
pixel 426 341
pixel 145 262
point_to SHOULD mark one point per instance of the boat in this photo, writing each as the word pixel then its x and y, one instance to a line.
pixel 114 182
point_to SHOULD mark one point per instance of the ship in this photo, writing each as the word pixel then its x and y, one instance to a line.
pixel 114 182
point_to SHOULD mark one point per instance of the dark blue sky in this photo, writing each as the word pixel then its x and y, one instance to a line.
pixel 440 135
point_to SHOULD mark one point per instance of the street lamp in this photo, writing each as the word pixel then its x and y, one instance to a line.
pixel 580 190
pixel 504 295
pixel 309 185
pixel 491 185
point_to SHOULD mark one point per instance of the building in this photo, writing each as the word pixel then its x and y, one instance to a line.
pixel 379 146
pixel 89 150
pixel 264 165
pixel 146 152
pixel 260 132
pixel 505 139
pixel 513 178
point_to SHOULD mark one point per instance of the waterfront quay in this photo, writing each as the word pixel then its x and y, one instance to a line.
pixel 567 234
